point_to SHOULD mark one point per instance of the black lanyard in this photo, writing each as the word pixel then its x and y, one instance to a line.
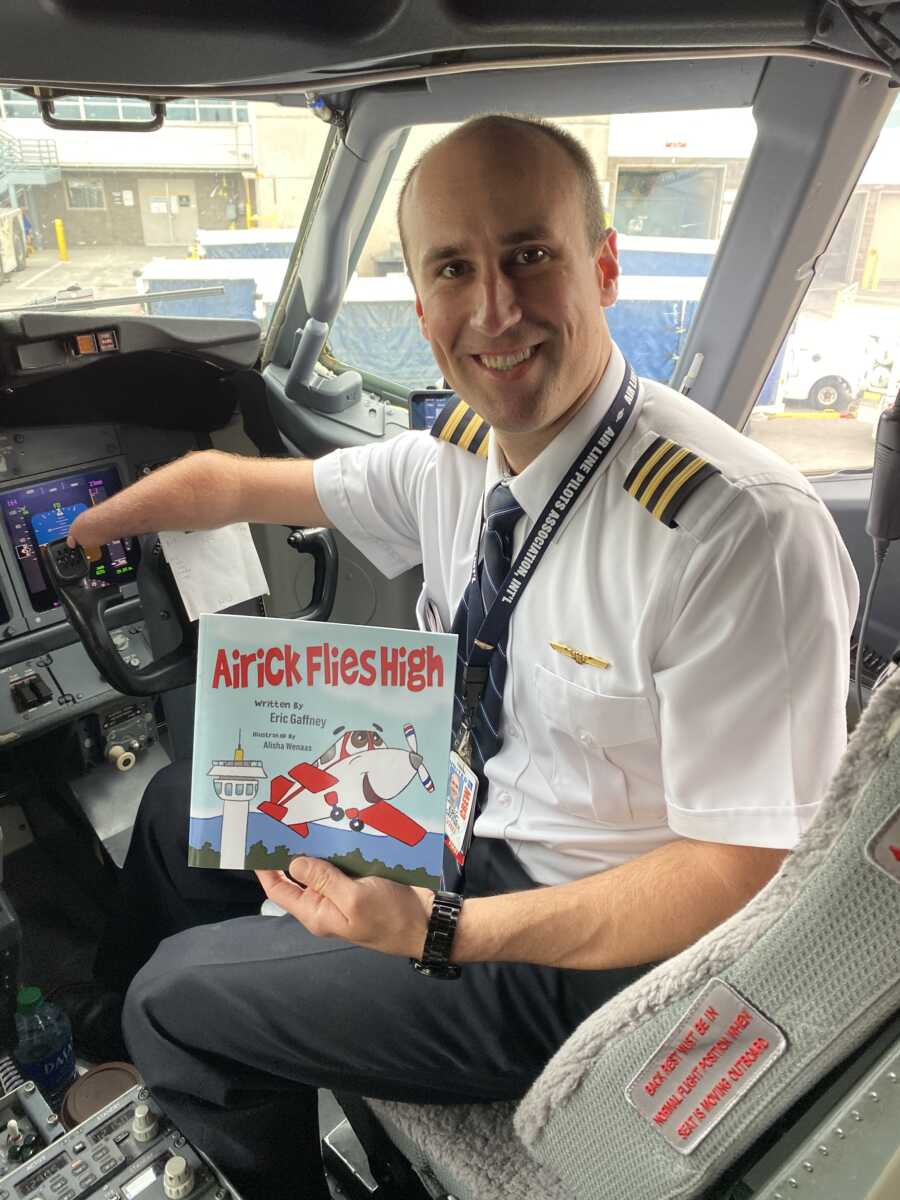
pixel 496 622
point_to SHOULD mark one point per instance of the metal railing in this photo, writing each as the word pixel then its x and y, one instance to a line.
pixel 27 153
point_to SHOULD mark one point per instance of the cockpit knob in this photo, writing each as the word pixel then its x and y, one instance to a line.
pixel 145 1125
pixel 122 759
pixel 178 1178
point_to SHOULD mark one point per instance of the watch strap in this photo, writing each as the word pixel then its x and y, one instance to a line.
pixel 435 958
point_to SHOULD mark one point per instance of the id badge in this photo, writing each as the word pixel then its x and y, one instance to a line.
pixel 462 789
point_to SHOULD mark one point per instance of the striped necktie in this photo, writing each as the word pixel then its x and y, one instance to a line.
pixel 502 511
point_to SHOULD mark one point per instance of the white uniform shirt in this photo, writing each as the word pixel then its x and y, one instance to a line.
pixel 721 715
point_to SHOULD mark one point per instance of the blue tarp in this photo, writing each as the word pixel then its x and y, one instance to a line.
pixel 238 300
pixel 384 338
pixel 261 249
pixel 665 262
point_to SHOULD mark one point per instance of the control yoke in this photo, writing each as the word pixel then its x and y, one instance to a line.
pixel 68 570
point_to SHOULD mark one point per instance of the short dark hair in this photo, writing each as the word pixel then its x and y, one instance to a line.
pixel 596 222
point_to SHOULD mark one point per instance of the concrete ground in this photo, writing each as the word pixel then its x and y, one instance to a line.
pixel 815 442
pixel 106 270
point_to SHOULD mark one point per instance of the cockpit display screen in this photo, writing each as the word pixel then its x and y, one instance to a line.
pixel 44 511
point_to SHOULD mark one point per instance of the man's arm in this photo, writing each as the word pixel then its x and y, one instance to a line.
pixel 206 490
pixel 646 910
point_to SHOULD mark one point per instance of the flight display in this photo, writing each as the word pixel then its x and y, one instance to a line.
pixel 43 512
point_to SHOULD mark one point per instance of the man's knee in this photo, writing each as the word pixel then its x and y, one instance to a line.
pixel 194 1020
pixel 159 1006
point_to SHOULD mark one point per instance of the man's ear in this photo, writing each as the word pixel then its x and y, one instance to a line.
pixel 607 264
pixel 423 324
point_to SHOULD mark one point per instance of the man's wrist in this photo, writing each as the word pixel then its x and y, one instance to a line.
pixel 434 959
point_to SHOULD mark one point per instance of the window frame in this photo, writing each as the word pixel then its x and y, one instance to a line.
pixel 85 182
pixel 720 170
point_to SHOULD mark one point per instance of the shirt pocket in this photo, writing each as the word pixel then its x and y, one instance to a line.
pixel 593 742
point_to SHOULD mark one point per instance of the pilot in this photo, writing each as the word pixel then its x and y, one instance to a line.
pixel 666 709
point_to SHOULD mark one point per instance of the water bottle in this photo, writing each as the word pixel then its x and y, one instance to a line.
pixel 44 1045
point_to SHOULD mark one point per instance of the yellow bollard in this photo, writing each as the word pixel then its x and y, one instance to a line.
pixel 248 206
pixel 61 240
pixel 870 271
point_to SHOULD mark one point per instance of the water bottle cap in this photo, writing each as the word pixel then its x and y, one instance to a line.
pixel 28 999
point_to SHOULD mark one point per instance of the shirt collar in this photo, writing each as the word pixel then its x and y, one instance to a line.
pixel 535 485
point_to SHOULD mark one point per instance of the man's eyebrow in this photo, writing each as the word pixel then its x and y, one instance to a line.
pixel 533 233
pixel 442 253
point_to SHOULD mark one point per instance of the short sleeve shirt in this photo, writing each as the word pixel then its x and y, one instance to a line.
pixel 721 713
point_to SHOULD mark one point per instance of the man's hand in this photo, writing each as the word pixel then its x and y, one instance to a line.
pixel 376 913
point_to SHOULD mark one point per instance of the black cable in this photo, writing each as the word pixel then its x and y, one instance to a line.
pixel 881 549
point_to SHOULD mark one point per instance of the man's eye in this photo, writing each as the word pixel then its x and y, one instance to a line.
pixel 529 255
pixel 452 270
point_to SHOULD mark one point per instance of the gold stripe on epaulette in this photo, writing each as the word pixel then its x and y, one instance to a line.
pixel 664 476
pixel 448 427
pixel 467 437
pixel 461 426
pixel 657 451
pixel 662 472
pixel 681 478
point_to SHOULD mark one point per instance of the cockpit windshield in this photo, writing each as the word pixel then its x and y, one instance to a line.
pixel 209 204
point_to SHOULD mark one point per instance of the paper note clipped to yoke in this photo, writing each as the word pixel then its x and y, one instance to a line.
pixel 214 568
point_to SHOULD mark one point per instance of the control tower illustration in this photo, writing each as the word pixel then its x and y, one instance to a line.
pixel 236 781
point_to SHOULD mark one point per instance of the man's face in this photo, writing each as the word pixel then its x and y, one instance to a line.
pixel 510 293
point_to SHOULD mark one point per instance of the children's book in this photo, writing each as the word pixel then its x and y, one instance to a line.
pixel 326 740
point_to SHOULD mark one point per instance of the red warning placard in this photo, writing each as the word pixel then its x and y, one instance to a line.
pixel 721 1047
pixel 884 847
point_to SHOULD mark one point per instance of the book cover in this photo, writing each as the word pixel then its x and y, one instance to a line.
pixel 321 739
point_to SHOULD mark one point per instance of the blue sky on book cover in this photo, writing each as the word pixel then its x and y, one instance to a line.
pixel 321 739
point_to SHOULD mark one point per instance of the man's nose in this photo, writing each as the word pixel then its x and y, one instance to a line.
pixel 497 308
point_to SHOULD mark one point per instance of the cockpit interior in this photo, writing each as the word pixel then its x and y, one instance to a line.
pixel 251 158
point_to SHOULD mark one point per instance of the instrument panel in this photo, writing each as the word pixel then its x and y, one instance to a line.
pixel 47 477
pixel 88 404
pixel 127 1149
pixel 42 512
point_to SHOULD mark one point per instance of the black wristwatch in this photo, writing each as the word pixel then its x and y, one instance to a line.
pixel 435 961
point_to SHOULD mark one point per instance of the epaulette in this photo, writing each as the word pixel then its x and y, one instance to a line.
pixel 664 476
pixel 462 426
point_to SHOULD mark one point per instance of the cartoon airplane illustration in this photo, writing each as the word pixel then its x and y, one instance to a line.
pixel 353 780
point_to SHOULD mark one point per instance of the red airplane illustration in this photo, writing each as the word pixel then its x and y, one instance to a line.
pixel 355 778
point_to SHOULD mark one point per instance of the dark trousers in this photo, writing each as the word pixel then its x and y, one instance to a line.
pixel 237 1019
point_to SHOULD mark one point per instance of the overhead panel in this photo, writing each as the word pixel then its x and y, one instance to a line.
pixel 102 43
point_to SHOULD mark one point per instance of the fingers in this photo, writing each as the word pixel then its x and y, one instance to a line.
pixel 287 895
pixel 312 908
pixel 323 877
pixel 80 531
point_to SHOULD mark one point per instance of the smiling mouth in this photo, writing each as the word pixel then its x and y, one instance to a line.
pixel 506 362
pixel 371 796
